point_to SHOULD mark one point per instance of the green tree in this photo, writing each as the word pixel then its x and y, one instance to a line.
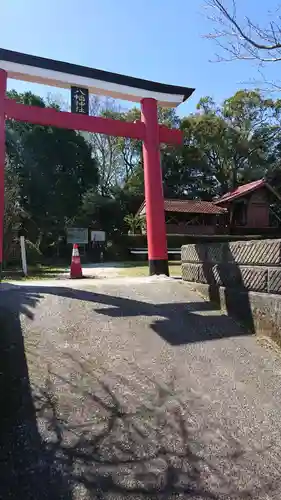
pixel 54 168
pixel 101 212
pixel 13 211
pixel 135 223
pixel 237 140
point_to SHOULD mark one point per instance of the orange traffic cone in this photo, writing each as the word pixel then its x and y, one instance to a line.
pixel 75 268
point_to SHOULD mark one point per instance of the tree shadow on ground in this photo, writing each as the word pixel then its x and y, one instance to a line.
pixel 142 446
pixel 101 438
pixel 177 322
pixel 27 470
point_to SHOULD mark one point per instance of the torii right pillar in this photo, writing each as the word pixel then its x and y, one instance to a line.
pixel 154 199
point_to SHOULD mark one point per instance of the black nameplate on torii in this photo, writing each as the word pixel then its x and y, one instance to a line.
pixel 80 100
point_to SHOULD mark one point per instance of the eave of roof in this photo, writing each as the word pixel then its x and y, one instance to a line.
pixel 245 190
pixel 187 206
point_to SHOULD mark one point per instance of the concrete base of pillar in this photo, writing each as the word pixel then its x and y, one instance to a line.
pixel 157 266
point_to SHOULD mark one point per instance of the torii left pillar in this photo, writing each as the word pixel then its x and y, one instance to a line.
pixel 3 86
pixel 153 186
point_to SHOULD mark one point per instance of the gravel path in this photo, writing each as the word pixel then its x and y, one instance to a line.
pixel 133 390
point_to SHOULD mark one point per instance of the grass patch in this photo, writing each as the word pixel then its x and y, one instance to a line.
pixel 35 272
pixel 141 269
pixel 124 269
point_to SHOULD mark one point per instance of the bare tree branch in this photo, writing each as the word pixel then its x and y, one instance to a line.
pixel 244 40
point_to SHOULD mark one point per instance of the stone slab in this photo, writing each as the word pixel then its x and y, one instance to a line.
pixel 274 280
pixel 254 252
pixel 190 272
pixel 228 275
pixel 194 253
pixel 259 312
pixel 259 252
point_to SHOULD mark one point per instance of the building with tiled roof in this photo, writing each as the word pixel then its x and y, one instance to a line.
pixel 190 216
pixel 246 207
pixel 249 206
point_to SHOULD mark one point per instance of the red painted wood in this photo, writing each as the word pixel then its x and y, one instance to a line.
pixel 3 85
pixel 171 136
pixel 154 199
pixel 63 119
pixel 146 130
pixel 94 124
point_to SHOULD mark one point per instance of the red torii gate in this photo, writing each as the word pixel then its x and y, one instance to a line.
pixel 65 75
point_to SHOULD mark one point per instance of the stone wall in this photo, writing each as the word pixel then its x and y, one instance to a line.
pixel 259 312
pixel 247 265
pixel 242 277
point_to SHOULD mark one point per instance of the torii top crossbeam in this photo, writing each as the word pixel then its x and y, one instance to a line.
pixel 66 75
pixel 63 74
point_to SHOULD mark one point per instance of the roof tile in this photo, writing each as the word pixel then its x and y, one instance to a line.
pixel 241 191
pixel 188 206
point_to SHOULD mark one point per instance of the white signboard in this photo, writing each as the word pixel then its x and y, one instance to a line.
pixel 97 235
pixel 77 235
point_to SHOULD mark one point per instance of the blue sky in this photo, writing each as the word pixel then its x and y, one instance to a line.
pixel 161 40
